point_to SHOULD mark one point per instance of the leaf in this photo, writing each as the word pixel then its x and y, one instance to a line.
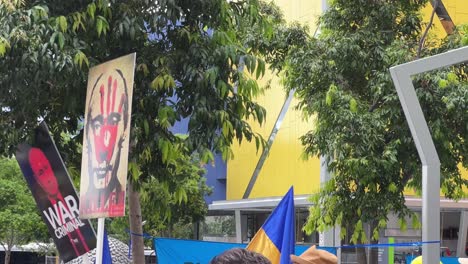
pixel 2 49
pixel 52 38
pixel 39 12
pixel 443 83
pixel 223 89
pixel 331 94
pixel 77 22
pixel 416 224
pixel 165 151
pixel 452 78
pixel 158 83
pixel 353 105
pixel 253 64
pixel 135 171
pixel 207 156
pixel 260 71
pixel 91 10
pixel 168 81
pixel 392 187
pixel 464 40
pixel 144 68
pixel 61 39
pixel 4 45
pixel 146 127
pixel 80 57
pixel 375 234
pixel 101 25
pixel 62 23
pixel 132 32
pixel 403 226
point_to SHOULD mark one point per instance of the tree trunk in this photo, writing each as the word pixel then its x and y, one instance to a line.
pixel 138 247
pixel 373 252
pixel 7 256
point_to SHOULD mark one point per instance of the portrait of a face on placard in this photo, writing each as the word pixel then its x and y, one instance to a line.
pixel 106 138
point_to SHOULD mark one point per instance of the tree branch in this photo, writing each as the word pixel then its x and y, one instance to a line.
pixel 406 177
pixel 375 105
pixel 423 38
pixel 3 245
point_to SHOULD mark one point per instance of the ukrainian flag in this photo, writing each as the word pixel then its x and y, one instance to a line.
pixel 276 238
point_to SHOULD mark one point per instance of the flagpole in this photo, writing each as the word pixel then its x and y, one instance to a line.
pixel 100 240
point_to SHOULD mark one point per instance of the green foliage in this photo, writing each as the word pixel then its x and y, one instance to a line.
pixel 177 58
pixel 342 79
pixel 20 221
pixel 180 200
pixel 189 61
pixel 219 226
pixel 273 38
pixel 196 60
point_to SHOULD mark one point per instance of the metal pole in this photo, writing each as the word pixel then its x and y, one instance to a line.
pixel 86 259
pixel 100 240
pixel 326 238
pixel 401 75
pixel 324 5
pixel 462 234
pixel 430 161
pixel 431 213
pixel 238 219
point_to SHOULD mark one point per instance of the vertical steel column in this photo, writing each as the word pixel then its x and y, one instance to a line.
pixel 462 234
pixel 237 218
pixel 326 238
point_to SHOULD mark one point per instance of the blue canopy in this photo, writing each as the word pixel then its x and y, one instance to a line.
pixel 182 251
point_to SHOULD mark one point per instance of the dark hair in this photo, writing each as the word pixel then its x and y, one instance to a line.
pixel 240 256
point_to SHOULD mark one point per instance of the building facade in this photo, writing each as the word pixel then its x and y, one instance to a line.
pixel 249 186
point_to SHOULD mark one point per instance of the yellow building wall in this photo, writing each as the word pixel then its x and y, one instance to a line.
pixel 458 11
pixel 284 166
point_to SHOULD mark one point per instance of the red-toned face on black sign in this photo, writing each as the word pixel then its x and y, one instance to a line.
pixel 108 113
pixel 43 172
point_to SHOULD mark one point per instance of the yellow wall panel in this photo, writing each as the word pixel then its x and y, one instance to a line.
pixel 284 166
pixel 241 168
pixel 458 11
pixel 304 11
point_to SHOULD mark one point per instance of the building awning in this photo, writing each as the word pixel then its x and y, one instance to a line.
pixel 302 201
pixel 257 204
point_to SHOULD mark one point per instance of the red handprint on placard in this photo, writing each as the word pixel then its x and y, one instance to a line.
pixel 105 127
pixel 105 132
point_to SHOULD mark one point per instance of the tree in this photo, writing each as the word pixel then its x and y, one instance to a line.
pixel 343 82
pixel 180 202
pixel 20 221
pixel 189 56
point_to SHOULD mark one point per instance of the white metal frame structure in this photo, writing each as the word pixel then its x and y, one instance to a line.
pixel 401 75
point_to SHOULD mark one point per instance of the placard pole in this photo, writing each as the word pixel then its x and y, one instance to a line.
pixel 100 240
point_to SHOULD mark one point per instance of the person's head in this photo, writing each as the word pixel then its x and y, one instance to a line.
pixel 107 119
pixel 314 256
pixel 42 171
pixel 240 256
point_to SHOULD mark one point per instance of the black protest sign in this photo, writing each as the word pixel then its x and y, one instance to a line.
pixel 55 195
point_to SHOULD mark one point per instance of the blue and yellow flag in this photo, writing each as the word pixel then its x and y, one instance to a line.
pixel 276 238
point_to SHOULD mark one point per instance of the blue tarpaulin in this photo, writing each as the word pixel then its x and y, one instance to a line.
pixel 180 251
